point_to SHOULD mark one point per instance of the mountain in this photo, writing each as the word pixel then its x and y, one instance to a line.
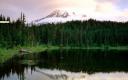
pixel 59 16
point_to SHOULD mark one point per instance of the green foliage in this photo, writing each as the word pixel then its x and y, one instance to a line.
pixel 6 54
pixel 74 33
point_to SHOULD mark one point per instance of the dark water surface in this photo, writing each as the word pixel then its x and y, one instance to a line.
pixel 73 64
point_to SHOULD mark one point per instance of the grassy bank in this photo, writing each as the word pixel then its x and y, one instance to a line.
pixel 6 54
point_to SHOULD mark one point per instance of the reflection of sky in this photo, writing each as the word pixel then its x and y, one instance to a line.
pixel 48 74
pixel 55 74
pixel 35 9
pixel 11 77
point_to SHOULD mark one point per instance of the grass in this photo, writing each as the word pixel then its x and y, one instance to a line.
pixel 6 54
pixel 39 48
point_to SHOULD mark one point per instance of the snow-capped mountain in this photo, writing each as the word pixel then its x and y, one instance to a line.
pixel 58 16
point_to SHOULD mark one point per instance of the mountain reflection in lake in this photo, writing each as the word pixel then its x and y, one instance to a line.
pixel 73 64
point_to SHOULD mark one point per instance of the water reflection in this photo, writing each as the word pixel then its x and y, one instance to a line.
pixel 70 64
pixel 66 75
pixel 54 74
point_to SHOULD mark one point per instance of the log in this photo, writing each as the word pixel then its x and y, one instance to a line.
pixel 24 51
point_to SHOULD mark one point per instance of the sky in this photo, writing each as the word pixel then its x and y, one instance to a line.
pixel 115 10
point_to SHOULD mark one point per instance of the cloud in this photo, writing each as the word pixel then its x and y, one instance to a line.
pixel 35 9
pixel 113 1
pixel 106 6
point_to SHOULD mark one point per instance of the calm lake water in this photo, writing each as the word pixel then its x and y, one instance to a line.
pixel 73 64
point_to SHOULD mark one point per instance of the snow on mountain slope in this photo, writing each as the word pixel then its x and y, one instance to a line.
pixel 59 16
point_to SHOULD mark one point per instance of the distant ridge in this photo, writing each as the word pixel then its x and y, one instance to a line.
pixel 58 16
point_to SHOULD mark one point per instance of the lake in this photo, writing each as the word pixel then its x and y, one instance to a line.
pixel 67 64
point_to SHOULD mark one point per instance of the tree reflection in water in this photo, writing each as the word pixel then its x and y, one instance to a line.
pixel 74 60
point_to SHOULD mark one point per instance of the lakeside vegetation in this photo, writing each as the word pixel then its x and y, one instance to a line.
pixel 6 54
pixel 89 34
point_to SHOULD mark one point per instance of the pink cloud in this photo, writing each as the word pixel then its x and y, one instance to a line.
pixel 35 9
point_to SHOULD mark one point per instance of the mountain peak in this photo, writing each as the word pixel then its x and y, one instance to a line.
pixel 60 16
pixel 59 13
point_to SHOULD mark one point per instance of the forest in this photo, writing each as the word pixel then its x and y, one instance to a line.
pixel 74 33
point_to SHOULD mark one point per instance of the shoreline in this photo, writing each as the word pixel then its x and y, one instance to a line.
pixel 6 54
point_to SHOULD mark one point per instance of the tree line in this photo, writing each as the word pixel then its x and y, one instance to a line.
pixel 73 33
